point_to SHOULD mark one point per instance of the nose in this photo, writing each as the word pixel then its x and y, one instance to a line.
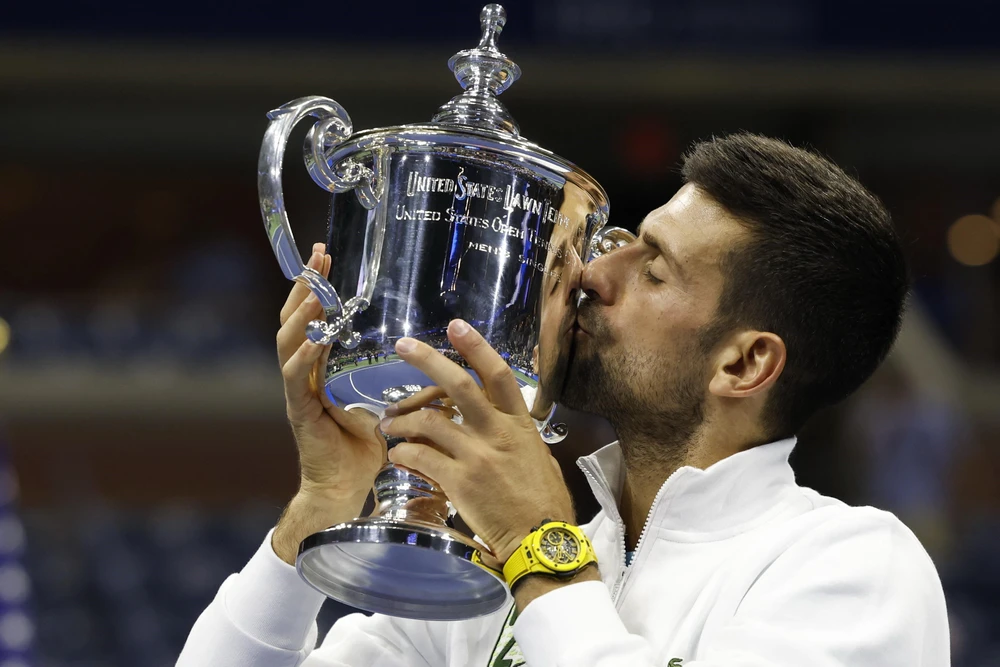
pixel 602 274
pixel 598 279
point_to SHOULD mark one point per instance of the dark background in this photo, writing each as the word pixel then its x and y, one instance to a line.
pixel 141 402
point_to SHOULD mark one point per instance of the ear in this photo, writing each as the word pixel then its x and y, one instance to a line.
pixel 748 365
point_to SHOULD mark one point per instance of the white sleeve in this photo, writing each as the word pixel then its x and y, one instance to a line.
pixel 265 616
pixel 842 595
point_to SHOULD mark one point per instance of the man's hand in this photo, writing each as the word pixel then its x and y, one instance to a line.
pixel 339 452
pixel 494 466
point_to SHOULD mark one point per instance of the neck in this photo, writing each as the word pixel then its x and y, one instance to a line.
pixel 649 463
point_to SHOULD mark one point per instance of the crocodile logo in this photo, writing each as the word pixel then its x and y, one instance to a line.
pixel 507 653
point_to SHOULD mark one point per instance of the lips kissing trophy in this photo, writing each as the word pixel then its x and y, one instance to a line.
pixel 457 218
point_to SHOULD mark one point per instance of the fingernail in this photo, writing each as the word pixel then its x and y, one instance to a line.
pixel 384 424
pixel 460 327
pixel 392 410
pixel 319 247
pixel 315 259
pixel 404 345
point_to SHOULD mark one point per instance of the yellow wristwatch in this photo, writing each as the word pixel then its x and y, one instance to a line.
pixel 554 548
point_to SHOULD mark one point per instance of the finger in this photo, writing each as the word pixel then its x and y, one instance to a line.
pixel 449 411
pixel 489 560
pixel 317 377
pixel 429 425
pixel 446 407
pixel 293 331
pixel 359 422
pixel 426 460
pixel 449 376
pixel 299 396
pixel 497 377
pixel 299 290
pixel 419 400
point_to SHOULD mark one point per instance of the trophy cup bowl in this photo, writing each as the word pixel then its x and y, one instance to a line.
pixel 457 218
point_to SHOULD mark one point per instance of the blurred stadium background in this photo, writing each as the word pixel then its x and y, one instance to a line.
pixel 142 439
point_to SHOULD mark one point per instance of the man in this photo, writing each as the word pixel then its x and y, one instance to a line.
pixel 770 285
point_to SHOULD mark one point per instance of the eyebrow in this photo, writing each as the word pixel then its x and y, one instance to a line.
pixel 650 240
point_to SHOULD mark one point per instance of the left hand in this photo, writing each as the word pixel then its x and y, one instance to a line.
pixel 494 466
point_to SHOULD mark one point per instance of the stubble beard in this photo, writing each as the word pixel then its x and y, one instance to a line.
pixel 655 404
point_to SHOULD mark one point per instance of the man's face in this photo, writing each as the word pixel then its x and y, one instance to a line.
pixel 637 356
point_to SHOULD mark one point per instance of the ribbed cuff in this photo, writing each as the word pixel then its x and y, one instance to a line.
pixel 271 603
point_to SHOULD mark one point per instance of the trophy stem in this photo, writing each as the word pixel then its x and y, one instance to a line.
pixel 404 495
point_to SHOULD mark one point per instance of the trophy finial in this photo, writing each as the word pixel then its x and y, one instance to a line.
pixel 484 73
pixel 493 18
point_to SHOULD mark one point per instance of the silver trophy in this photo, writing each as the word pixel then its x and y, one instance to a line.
pixel 457 218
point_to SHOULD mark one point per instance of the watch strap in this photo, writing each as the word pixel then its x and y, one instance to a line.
pixel 519 563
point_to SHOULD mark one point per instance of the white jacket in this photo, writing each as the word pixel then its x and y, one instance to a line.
pixel 737 567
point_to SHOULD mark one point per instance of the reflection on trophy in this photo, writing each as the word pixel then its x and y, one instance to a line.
pixel 457 218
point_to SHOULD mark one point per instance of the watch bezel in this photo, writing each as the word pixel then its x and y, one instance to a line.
pixel 558 568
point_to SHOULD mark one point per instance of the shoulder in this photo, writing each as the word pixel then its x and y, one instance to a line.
pixel 839 551
pixel 864 530
pixel 849 582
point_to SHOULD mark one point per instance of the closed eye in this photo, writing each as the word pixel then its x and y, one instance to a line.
pixel 649 275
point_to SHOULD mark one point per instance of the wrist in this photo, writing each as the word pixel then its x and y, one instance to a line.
pixel 325 493
pixel 538 581
pixel 536 585
pixel 308 513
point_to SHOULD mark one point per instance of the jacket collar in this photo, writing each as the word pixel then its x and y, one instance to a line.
pixel 735 492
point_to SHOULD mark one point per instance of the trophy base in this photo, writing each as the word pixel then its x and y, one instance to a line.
pixel 409 569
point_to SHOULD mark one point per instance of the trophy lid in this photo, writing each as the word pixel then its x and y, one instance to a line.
pixel 483 73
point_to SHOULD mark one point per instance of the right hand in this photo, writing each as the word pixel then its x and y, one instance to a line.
pixel 339 451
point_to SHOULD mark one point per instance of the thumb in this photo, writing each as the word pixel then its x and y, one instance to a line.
pixel 358 422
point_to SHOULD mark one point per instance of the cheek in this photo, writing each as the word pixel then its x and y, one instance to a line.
pixel 662 315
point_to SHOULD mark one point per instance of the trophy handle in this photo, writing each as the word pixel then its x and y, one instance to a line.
pixel 332 127
pixel 607 239
pixel 552 433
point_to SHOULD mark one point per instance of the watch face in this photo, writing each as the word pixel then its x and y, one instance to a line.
pixel 560 546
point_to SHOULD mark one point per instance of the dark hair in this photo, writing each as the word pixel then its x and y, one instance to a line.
pixel 823 267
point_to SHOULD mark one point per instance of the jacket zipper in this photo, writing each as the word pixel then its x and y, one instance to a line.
pixel 642 535
pixel 621 529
